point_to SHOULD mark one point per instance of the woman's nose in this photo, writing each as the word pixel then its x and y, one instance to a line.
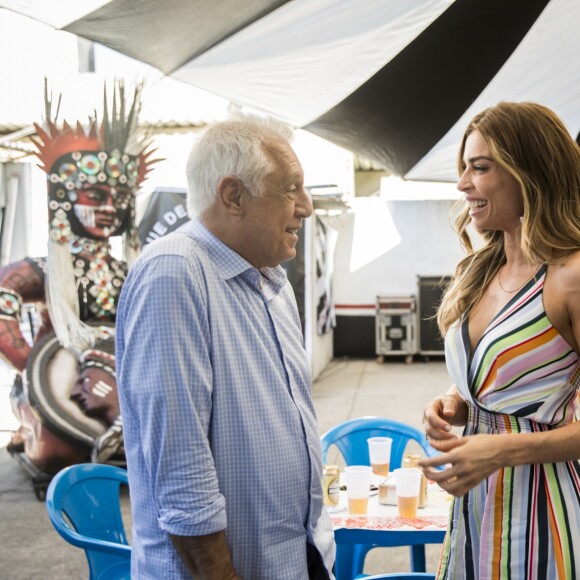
pixel 463 182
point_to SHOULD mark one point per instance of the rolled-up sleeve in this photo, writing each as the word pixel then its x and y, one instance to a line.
pixel 166 393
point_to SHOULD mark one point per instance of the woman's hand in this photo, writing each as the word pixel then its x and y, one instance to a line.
pixel 439 417
pixel 470 460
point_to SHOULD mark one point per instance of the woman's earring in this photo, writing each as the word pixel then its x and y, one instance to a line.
pixel 522 219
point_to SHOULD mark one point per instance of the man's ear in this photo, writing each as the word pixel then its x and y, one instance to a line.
pixel 230 191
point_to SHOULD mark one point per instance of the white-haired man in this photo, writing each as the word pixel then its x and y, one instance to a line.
pixel 215 389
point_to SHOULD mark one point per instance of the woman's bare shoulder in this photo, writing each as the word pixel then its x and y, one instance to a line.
pixel 562 297
pixel 568 271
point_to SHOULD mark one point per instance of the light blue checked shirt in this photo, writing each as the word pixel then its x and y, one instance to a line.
pixel 219 427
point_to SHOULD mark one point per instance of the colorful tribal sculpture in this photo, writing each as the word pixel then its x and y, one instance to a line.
pixel 65 391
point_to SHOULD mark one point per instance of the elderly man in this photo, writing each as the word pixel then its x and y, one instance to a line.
pixel 215 389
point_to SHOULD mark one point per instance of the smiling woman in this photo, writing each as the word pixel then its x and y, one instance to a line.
pixel 511 320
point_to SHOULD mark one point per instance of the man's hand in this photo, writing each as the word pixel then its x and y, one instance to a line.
pixel 206 557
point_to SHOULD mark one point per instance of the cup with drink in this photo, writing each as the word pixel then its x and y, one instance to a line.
pixel 380 454
pixel 408 486
pixel 358 486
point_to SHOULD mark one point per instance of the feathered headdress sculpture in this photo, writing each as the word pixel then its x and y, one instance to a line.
pixel 109 157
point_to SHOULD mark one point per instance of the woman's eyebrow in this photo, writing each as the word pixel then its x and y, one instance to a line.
pixel 479 158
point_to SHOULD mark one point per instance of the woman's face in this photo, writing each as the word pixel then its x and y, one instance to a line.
pixel 492 193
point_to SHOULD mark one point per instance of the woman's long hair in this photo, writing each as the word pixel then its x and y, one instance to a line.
pixel 532 143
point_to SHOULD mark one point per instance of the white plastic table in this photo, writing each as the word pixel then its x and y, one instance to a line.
pixel 382 526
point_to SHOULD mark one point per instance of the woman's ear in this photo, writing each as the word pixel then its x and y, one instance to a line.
pixel 230 191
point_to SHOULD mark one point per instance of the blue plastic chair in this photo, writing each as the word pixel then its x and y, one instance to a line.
pixel 350 438
pixel 87 496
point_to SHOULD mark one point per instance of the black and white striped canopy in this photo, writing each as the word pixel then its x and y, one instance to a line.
pixel 394 81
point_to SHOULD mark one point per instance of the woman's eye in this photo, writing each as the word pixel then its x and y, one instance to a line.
pixel 479 168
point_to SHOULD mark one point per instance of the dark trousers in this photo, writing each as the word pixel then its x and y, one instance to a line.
pixel 316 567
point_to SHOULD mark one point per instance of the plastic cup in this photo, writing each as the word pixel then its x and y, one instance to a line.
pixel 408 486
pixel 358 486
pixel 380 454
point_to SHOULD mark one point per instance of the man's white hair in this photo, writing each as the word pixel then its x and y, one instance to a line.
pixel 235 148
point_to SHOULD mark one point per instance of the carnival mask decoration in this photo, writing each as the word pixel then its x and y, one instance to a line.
pixel 93 175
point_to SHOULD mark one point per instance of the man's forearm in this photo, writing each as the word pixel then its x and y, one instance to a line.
pixel 206 557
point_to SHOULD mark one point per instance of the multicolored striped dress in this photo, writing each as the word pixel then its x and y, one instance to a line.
pixel 522 523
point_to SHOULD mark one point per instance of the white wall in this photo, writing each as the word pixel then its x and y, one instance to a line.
pixel 323 163
pixel 428 247
pixel 319 347
pixel 24 211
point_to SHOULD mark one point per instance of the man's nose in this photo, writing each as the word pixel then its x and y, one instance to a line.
pixel 304 206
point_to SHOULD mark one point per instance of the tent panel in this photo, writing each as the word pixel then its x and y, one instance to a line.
pixel 397 115
pixel 394 81
pixel 544 68
pixel 56 13
pixel 141 29
pixel 304 58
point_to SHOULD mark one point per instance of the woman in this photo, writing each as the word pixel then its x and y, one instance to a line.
pixel 511 320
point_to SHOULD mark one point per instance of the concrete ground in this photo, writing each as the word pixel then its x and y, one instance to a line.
pixel 30 549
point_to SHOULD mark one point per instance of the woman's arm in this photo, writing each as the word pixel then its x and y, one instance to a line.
pixel 472 459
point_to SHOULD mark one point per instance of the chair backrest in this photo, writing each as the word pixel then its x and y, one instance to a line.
pixel 351 439
pixel 88 495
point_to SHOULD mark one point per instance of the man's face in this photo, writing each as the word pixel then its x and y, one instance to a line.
pixel 271 221
pixel 101 210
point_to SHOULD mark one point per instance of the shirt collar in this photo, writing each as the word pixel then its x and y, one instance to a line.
pixel 230 264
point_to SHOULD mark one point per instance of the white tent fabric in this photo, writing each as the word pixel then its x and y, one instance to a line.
pixel 297 61
pixel 56 13
pixel 305 57
pixel 396 82
pixel 536 71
